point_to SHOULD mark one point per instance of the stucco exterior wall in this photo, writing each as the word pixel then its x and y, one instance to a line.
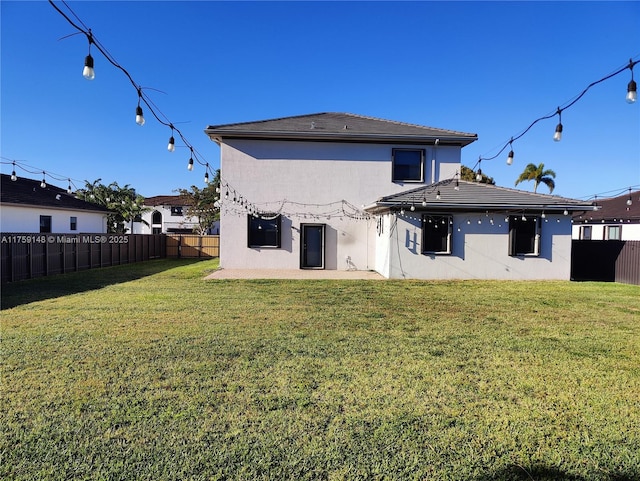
pixel 309 176
pixel 27 219
pixel 479 250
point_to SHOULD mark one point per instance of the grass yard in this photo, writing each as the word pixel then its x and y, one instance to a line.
pixel 149 372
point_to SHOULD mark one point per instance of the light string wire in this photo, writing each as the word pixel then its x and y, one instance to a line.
pixel 197 156
pixel 142 96
pixel 632 63
pixel 33 170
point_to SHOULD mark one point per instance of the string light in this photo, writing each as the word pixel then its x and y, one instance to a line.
pixel 142 97
pixel 88 72
pixel 631 98
pixel 632 88
pixel 510 156
pixel 206 175
pixel 190 164
pixel 629 200
pixel 14 177
pixel 43 184
pixel 172 141
pixel 557 136
pixel 139 115
pixel 479 173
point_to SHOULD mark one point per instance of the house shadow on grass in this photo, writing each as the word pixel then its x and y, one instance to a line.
pixel 14 294
pixel 545 473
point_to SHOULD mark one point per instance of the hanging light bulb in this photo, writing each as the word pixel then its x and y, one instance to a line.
pixel 557 136
pixel 206 174
pixel 69 187
pixel 139 116
pixel 632 88
pixel 438 195
pixel 479 175
pixel 14 177
pixel 190 164
pixel 413 207
pixel 632 92
pixel 88 72
pixel 510 156
pixel 629 200
pixel 172 144
pixel 43 184
pixel 424 201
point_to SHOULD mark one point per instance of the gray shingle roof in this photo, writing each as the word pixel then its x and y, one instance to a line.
pixel 338 126
pixel 474 196
pixel 28 192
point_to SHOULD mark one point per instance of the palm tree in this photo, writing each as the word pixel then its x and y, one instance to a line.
pixel 539 176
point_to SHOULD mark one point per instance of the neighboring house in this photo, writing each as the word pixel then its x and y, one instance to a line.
pixel 26 207
pixel 167 215
pixel 343 191
pixel 617 218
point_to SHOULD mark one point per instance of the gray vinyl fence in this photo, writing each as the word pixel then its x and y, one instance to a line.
pixel 27 256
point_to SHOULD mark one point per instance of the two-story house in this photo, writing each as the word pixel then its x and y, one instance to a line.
pixel 344 191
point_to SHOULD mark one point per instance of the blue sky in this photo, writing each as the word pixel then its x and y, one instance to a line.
pixel 485 67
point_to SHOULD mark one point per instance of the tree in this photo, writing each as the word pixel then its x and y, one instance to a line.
pixel 469 175
pixel 202 203
pixel 125 206
pixel 539 176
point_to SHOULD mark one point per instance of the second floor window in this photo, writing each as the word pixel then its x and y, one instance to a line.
pixel 176 210
pixel 408 165
pixel 73 223
pixel 585 232
pixel 613 232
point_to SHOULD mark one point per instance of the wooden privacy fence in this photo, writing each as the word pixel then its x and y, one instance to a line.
pixel 606 260
pixel 192 245
pixel 26 256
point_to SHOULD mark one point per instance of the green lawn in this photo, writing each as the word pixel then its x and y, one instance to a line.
pixel 149 372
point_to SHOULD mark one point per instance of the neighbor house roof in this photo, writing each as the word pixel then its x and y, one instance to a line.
pixel 614 210
pixel 338 126
pixel 27 192
pixel 450 195
pixel 170 200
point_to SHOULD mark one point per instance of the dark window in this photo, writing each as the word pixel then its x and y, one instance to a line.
pixel 73 223
pixel 176 210
pixel 156 217
pixel 408 165
pixel 45 223
pixel 264 231
pixel 436 234
pixel 524 236
pixel 585 232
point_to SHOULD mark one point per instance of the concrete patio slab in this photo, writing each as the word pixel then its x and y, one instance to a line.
pixel 292 274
